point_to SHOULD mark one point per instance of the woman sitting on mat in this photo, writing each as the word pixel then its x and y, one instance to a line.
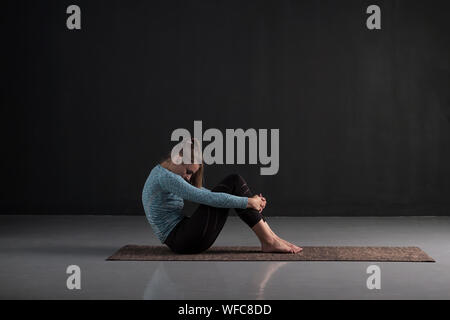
pixel 169 183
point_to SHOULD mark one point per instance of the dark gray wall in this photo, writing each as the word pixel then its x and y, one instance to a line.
pixel 364 116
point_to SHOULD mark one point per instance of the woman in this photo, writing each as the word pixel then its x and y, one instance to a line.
pixel 169 183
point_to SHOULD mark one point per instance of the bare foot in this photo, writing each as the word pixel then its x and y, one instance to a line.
pixel 275 245
pixel 297 249
pixel 293 246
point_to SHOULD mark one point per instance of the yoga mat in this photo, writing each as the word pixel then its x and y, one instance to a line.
pixel 163 253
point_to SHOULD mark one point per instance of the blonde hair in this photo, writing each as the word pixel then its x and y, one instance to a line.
pixel 196 157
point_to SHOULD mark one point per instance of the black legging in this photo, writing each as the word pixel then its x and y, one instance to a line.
pixel 197 233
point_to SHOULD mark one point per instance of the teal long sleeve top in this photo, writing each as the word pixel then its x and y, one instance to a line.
pixel 163 199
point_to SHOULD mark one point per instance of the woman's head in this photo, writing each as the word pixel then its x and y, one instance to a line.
pixel 189 167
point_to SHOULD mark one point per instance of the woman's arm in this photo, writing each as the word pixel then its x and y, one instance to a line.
pixel 174 183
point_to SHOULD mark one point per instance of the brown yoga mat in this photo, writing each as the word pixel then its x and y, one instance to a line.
pixel 162 253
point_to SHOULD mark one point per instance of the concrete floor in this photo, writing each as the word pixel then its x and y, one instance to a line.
pixel 35 252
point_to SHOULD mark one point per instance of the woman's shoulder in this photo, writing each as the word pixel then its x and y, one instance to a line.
pixel 154 174
pixel 159 173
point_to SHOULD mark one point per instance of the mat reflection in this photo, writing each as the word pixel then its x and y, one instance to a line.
pixel 222 280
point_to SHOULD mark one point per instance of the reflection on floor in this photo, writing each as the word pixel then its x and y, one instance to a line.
pixel 35 252
pixel 168 281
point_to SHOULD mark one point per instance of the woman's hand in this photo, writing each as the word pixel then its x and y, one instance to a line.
pixel 257 202
pixel 264 199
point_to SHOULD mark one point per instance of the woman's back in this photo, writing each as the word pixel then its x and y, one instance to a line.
pixel 163 209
